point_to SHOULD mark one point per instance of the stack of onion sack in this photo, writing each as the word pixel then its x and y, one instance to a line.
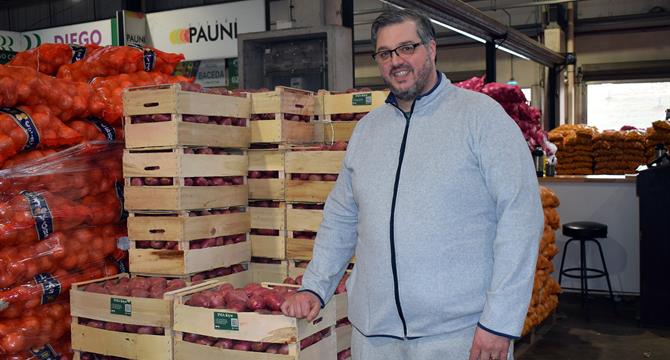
pixel 48 58
pixel 545 288
pixel 633 148
pixel 575 149
pixel 108 100
pixel 60 349
pixel 60 219
pixel 512 99
pixel 658 133
pixel 114 60
pixel 608 153
pixel 20 85
pixel 33 328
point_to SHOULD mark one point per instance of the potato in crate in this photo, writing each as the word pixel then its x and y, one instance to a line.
pixel 268 229
pixel 341 111
pixel 284 116
pixel 311 172
pixel 185 178
pixel 219 321
pixel 167 115
pixel 266 174
pixel 187 242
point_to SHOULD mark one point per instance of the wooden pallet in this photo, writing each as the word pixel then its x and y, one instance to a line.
pixel 314 162
pixel 267 160
pixel 170 99
pixel 273 247
pixel 186 261
pixel 125 310
pixel 275 273
pixel 179 226
pixel 284 100
pixel 250 326
pixel 179 197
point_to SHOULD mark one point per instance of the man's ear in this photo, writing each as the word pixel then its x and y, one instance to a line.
pixel 432 45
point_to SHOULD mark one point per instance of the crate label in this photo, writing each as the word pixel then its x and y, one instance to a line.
pixel 226 321
pixel 78 53
pixel 106 130
pixel 25 122
pixel 46 352
pixel 361 99
pixel 51 287
pixel 44 224
pixel 121 306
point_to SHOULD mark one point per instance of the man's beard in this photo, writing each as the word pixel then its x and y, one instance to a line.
pixel 415 90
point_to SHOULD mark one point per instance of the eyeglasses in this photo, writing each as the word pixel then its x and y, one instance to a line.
pixel 402 51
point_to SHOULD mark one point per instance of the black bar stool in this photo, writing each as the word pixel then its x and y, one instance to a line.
pixel 585 231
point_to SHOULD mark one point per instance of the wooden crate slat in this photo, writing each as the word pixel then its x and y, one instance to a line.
pixel 341 305
pixel 314 162
pixel 343 337
pixel 273 247
pixel 179 133
pixel 184 198
pixel 284 131
pixel 175 164
pixel 171 99
pixel 308 191
pixel 266 189
pixel 184 350
pixel 364 101
pixel 283 100
pixel 126 345
pixel 274 273
pixel 299 249
pixel 170 228
pixel 303 219
pixel 181 262
pixel 266 160
pixel 267 217
pixel 153 312
pixel 338 131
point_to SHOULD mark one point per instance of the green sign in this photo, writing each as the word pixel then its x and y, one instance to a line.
pixel 232 77
pixel 121 307
pixel 361 99
pixel 226 321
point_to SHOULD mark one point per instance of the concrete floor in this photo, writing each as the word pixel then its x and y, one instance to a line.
pixel 606 336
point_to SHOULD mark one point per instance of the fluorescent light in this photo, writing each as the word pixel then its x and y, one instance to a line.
pixel 473 37
pixel 511 52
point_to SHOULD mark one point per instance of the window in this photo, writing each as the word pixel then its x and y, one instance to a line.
pixel 612 105
pixel 527 93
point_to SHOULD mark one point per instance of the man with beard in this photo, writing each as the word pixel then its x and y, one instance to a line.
pixel 438 200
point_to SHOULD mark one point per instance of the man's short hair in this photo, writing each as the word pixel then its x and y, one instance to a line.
pixel 424 27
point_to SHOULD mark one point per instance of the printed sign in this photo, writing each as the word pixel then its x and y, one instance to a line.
pixel 226 321
pixel 132 28
pixel 96 32
pixel 211 73
pixel 120 307
pixel 361 99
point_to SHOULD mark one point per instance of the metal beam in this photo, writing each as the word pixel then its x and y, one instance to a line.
pixel 490 62
pixel 468 19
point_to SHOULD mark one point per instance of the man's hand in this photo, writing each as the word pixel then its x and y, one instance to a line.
pixel 302 304
pixel 487 346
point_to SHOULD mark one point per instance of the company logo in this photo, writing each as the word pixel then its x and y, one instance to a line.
pixel 32 40
pixel 81 38
pixel 204 33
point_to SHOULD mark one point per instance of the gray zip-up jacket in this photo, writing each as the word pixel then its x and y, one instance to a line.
pixel 441 207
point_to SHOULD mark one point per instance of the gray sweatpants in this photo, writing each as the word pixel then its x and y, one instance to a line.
pixel 452 346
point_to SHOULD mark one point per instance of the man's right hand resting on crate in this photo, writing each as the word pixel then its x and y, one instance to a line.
pixel 301 305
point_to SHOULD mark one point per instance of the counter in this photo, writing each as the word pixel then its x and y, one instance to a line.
pixel 611 200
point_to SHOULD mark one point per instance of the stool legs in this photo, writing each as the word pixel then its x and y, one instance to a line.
pixel 607 274
pixel 565 251
pixel 584 277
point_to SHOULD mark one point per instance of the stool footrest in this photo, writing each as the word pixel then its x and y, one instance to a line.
pixel 598 273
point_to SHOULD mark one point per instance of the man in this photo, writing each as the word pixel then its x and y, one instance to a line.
pixel 438 200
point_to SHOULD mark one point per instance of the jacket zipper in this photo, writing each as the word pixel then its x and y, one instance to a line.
pixel 392 232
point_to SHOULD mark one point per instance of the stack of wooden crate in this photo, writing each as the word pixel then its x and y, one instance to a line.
pixel 186 192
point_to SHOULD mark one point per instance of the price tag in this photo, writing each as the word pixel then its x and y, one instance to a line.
pixel 226 321
pixel 121 307
pixel 361 99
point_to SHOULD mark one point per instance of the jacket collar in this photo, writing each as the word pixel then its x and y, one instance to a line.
pixel 423 99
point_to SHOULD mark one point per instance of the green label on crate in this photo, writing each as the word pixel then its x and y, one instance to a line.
pixel 361 99
pixel 120 307
pixel 226 321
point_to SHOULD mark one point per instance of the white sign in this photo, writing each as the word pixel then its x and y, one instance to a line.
pixel 96 32
pixel 206 32
pixel 11 41
pixel 212 73
pixel 134 28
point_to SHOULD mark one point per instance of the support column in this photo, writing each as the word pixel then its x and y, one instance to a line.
pixel 490 61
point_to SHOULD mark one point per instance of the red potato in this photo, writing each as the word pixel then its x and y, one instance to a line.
pixel 157 244
pixel 255 174
pixel 96 324
pixel 224 344
pixel 242 346
pixel 273 301
pixel 113 326
pixel 238 268
pixel 204 341
pixel 199 300
pixel 159 330
pixel 136 181
pixel 201 181
pixel 175 284
pixel 272 349
pixel 188 182
pixel 151 181
pixel 191 337
pixel 283 349
pixel 259 346
pixel 138 292
pixel 329 177
pixel 237 306
pixel 146 330
pixel 217 301
pixel 166 181
pixel 139 283
pixel 238 295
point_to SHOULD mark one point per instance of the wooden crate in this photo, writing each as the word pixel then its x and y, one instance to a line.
pixel 184 262
pixel 170 99
pixel 275 273
pixel 330 103
pixel 172 162
pixel 284 100
pixel 273 247
pixel 179 226
pixel 313 162
pixel 293 270
pixel 251 327
pixel 267 160
pixel 298 249
pixel 179 197
pixel 303 219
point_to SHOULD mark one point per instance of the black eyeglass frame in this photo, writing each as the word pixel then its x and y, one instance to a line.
pixel 414 46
